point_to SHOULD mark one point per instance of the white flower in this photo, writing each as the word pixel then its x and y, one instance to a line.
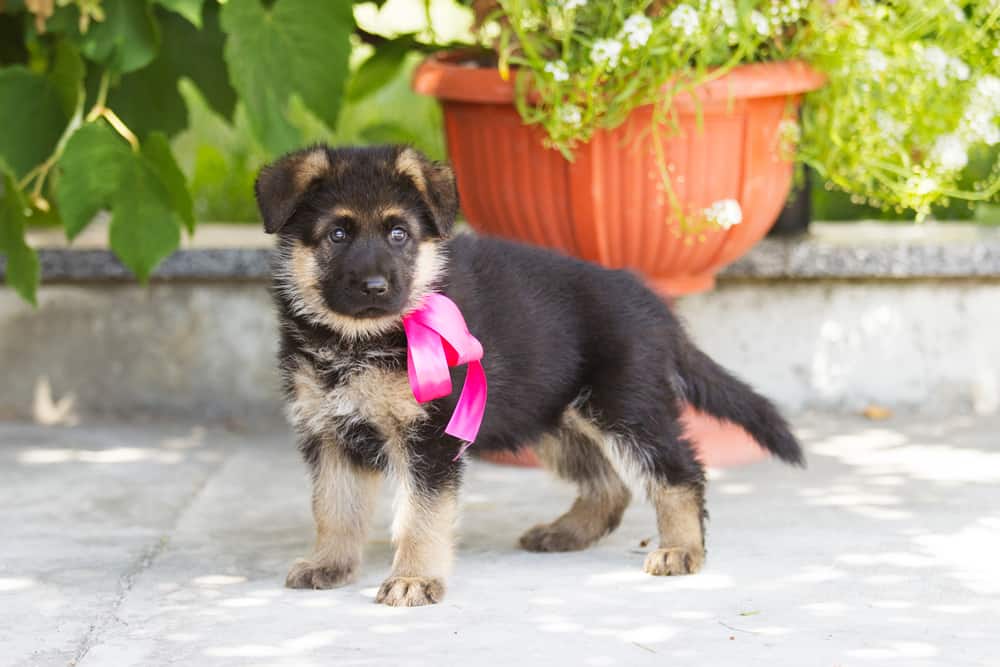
pixel 725 213
pixel 979 119
pixel 573 4
pixel 988 88
pixel 726 9
pixel 760 23
pixel 950 152
pixel 558 70
pixel 571 114
pixel 685 18
pixel 942 66
pixel 877 61
pixel 921 185
pixel 606 52
pixel 889 126
pixel 637 30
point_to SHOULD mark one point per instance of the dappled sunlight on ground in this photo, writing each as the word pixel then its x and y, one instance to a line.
pixel 154 545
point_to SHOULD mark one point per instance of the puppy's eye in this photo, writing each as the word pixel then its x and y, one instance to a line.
pixel 398 235
pixel 338 235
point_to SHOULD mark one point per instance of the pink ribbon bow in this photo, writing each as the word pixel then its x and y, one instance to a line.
pixel 436 338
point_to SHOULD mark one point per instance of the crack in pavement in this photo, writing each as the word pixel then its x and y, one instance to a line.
pixel 145 561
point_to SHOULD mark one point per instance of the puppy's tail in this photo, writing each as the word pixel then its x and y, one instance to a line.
pixel 710 388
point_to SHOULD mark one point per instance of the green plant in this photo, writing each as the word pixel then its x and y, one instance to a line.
pixel 104 104
pixel 912 98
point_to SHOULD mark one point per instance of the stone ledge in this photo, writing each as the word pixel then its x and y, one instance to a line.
pixel 830 251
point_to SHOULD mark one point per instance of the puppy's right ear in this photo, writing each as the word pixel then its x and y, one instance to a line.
pixel 281 184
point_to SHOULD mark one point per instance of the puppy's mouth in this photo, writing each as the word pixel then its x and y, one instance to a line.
pixel 371 312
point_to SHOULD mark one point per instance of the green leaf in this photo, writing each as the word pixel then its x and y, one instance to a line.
pixel 156 150
pixel 380 68
pixel 149 99
pixel 100 172
pixel 294 47
pixel 22 261
pixel 198 55
pixel 31 118
pixel 126 40
pixel 388 133
pixel 66 72
pixel 144 229
pixel 189 9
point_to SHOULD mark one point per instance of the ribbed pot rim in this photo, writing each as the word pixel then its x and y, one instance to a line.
pixel 447 76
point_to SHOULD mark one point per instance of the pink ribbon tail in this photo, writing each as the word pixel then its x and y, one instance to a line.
pixel 437 338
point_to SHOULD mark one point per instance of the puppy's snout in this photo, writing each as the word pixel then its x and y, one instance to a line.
pixel 375 286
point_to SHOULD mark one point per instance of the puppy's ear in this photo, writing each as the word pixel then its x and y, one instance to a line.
pixel 281 184
pixel 436 183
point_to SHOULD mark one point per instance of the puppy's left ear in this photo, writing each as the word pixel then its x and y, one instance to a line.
pixel 436 183
pixel 281 184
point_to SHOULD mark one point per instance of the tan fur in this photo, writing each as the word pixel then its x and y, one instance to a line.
pixel 603 496
pixel 343 500
pixel 678 508
pixel 423 532
pixel 298 276
pixel 678 517
pixel 314 164
pixel 381 397
pixel 409 164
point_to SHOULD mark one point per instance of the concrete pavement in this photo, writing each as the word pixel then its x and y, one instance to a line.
pixel 167 543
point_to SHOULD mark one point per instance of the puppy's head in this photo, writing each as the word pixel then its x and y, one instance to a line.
pixel 359 231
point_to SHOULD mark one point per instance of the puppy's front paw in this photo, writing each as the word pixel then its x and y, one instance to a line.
pixel 674 560
pixel 307 574
pixel 410 591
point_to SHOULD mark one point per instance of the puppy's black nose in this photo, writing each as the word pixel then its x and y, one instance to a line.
pixel 375 286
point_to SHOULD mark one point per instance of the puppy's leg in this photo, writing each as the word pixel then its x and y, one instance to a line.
pixel 675 483
pixel 343 500
pixel 602 499
pixel 423 528
pixel 661 460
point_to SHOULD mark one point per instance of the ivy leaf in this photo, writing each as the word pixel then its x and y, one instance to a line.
pixel 293 47
pixel 156 150
pixel 31 118
pixel 380 68
pixel 126 40
pixel 149 99
pixel 189 9
pixel 22 261
pixel 99 172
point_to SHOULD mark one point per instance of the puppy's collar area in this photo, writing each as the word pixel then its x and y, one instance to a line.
pixel 437 338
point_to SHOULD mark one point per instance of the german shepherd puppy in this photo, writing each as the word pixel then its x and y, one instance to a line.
pixel 585 364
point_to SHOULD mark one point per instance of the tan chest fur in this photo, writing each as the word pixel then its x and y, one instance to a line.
pixel 375 395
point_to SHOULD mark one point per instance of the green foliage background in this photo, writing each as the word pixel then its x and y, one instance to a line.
pixel 159 112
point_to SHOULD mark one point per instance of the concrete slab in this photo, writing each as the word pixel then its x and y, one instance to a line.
pixel 154 544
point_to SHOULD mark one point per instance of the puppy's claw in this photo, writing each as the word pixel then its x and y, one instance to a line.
pixel 410 591
pixel 674 561
pixel 307 574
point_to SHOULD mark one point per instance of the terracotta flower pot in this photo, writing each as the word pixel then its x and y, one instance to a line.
pixel 718 444
pixel 608 205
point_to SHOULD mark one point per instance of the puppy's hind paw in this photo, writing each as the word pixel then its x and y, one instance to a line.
pixel 307 574
pixel 410 591
pixel 674 561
